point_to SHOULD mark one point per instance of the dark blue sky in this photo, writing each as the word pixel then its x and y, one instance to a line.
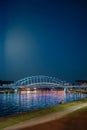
pixel 43 37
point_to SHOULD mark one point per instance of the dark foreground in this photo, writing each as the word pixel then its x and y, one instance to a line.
pixel 75 121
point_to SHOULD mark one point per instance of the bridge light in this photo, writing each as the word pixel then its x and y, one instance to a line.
pixel 28 91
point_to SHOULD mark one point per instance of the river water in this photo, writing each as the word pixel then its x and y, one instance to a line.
pixel 16 103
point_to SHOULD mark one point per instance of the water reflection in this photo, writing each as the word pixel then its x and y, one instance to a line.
pixel 15 103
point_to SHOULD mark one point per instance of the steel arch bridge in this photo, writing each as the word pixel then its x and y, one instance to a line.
pixel 42 81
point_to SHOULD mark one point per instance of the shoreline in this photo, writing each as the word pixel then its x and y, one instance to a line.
pixel 45 118
pixel 29 115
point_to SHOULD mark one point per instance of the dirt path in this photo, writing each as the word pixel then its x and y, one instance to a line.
pixel 45 118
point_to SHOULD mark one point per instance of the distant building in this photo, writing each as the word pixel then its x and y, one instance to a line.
pixel 5 82
pixel 80 82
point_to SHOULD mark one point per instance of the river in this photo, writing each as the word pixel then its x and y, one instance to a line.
pixel 16 103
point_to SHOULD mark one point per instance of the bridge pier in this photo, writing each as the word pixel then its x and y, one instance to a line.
pixel 15 90
pixel 65 90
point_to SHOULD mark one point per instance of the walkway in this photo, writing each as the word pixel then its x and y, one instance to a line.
pixel 45 118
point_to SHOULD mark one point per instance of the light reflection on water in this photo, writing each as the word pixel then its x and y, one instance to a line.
pixel 16 103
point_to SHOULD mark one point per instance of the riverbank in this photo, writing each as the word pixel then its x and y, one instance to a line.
pixel 46 118
pixel 74 121
pixel 17 118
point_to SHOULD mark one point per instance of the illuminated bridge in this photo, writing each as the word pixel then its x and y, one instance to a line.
pixel 40 81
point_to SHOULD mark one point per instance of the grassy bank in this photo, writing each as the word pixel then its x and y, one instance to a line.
pixel 76 120
pixel 11 120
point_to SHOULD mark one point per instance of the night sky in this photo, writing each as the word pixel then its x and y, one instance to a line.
pixel 43 37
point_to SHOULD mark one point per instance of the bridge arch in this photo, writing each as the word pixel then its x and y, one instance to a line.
pixel 40 81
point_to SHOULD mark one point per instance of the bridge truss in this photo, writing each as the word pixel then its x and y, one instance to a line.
pixel 42 81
